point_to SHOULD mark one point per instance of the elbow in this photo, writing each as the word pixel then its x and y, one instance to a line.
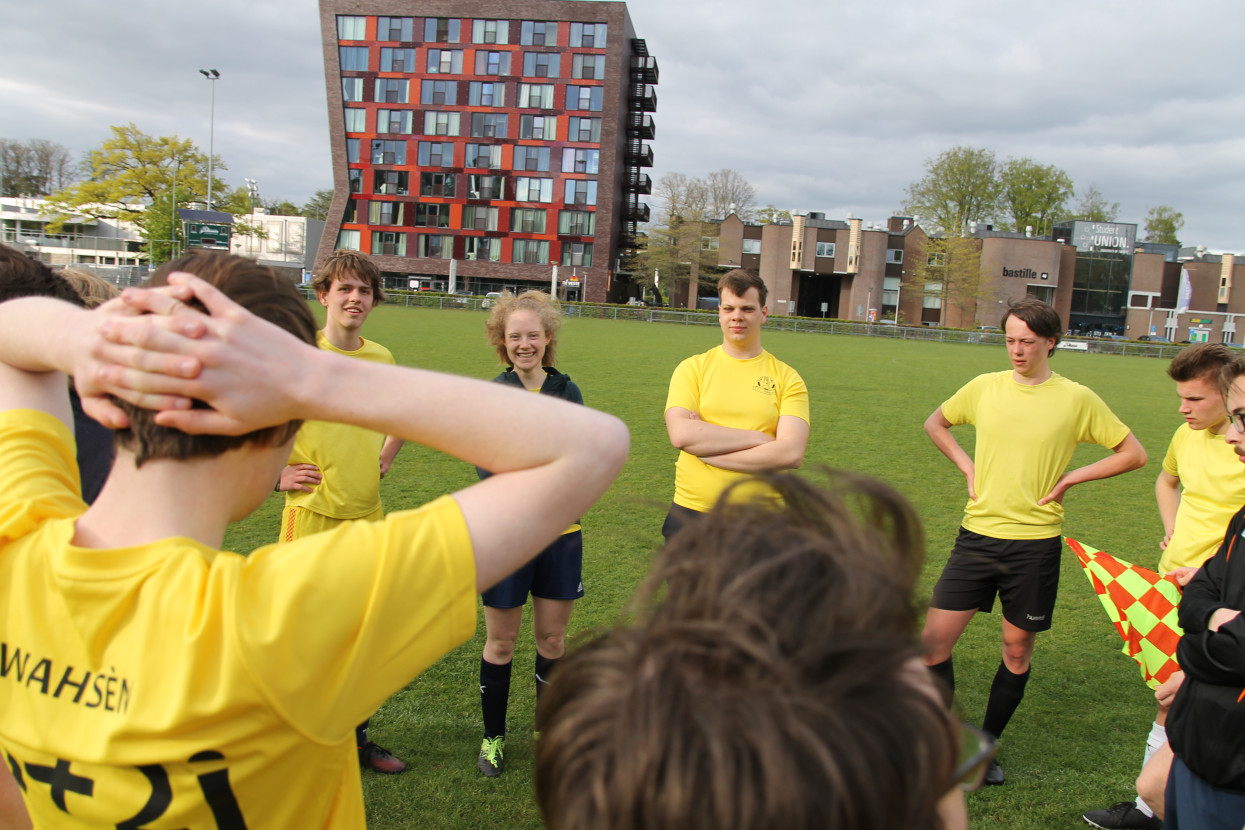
pixel 613 447
pixel 1140 459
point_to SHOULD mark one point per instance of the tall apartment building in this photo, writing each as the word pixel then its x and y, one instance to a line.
pixel 480 143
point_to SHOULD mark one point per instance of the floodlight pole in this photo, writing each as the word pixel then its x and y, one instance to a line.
pixel 211 75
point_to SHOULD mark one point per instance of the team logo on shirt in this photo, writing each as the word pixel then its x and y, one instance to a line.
pixel 765 385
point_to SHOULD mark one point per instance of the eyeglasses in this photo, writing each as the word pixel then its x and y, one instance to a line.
pixel 977 750
pixel 1237 419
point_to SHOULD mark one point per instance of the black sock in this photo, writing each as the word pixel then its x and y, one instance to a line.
pixel 360 733
pixel 944 672
pixel 494 696
pixel 544 670
pixel 1005 695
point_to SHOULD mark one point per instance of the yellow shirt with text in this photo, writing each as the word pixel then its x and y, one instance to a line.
pixel 1212 482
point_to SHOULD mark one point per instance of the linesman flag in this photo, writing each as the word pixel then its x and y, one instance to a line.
pixel 1142 605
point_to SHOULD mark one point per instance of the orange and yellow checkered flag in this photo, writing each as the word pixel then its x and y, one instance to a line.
pixel 1142 605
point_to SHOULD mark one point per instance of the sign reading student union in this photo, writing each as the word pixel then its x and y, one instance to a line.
pixel 1108 237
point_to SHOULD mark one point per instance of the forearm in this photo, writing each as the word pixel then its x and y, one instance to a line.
pixel 389 450
pixel 1167 496
pixel 776 455
pixel 1112 465
pixel 25 326
pixel 1215 656
pixel 945 442
pixel 701 438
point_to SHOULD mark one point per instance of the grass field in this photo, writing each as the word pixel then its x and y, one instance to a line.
pixel 1076 741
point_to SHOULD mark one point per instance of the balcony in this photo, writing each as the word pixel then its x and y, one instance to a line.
pixel 637 211
pixel 640 125
pixel 644 69
pixel 639 153
pixel 643 98
pixel 638 182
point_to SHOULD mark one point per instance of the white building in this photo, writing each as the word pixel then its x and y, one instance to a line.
pixel 282 240
pixel 82 241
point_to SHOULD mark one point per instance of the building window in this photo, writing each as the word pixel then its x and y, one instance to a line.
pixel 480 217
pixel 487 125
pixel 588 35
pixel 536 96
pixel 356 120
pixel 437 184
pixel 936 259
pixel 486 187
pixel 538 127
pixel 484 155
pixel 351 215
pixel 588 66
pixel 584 98
pixel 440 123
pixel 391 182
pixel 580 192
pixel 531 158
pixel 356 179
pixel 397 60
pixel 386 213
pixel 353 58
pixel 825 249
pixel 441 30
pixel 577 253
pixel 527 220
pixel 483 249
pixel 575 160
pixel 445 61
pixel 432 216
pixel 490 31
pixel 435 246
pixel 584 129
pixel 933 295
pixel 388 243
pixel 393 28
pixel 710 243
pixel 392 91
pixel 352 89
pixel 492 63
pixel 350 27
pixel 538 34
pixel 348 240
pixel 398 121
pixel 894 256
pixel 577 222
pixel 532 251
pixel 438 92
pixel 529 189
pixel 385 151
pixel 752 246
pixel 436 154
pixel 487 94
pixel 352 151
pixel 890 292
pixel 1139 300
pixel 541 64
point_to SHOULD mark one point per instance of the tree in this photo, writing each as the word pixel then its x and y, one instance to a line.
pixel 133 177
pixel 960 185
pixel 282 207
pixel 1094 207
pixel 684 198
pixel 729 193
pixel 948 267
pixel 1163 223
pixel 317 206
pixel 770 215
pixel 1032 195
pixel 34 168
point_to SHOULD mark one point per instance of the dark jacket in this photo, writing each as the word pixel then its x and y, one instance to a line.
pixel 556 384
pixel 1206 725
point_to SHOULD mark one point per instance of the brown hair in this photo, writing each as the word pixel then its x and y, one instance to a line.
pixel 340 263
pixel 767 681
pixel 1040 317
pixel 93 289
pixel 259 290
pixel 1229 373
pixel 22 276
pixel 738 281
pixel 1199 360
pixel 505 305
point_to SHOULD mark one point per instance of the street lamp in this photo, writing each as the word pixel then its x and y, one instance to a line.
pixel 211 75
pixel 252 189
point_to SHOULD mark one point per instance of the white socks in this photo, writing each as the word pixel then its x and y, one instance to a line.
pixel 1156 738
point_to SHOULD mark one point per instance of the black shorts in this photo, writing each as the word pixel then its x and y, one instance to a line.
pixel 677 518
pixel 1024 573
pixel 557 572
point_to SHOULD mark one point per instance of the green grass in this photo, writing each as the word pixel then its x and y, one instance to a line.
pixel 1076 741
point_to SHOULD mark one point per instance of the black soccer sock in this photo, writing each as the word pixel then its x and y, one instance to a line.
pixel 1005 695
pixel 544 670
pixel 360 733
pixel 945 672
pixel 494 696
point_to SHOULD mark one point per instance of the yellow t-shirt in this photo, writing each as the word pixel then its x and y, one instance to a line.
pixel 1025 438
pixel 1212 483
pixel 742 394
pixel 184 687
pixel 348 456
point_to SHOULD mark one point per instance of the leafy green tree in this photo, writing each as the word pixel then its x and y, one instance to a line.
pixel 948 267
pixel 1094 207
pixel 960 185
pixel 1163 223
pixel 317 206
pixel 770 215
pixel 1032 195
pixel 282 207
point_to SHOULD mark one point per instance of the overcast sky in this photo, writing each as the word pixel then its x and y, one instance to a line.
pixel 821 105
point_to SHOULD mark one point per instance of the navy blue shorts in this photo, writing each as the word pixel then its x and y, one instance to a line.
pixel 1023 573
pixel 1193 804
pixel 677 518
pixel 557 572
